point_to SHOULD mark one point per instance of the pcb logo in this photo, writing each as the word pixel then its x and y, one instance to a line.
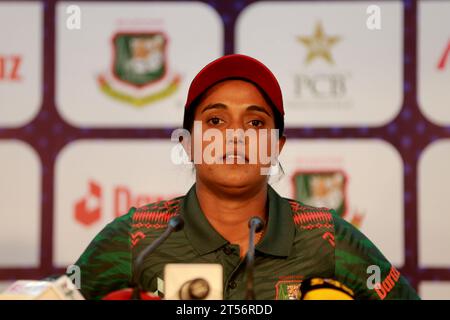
pixel 140 74
pixel 327 188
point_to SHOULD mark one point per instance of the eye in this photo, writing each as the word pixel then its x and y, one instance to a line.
pixel 215 121
pixel 256 123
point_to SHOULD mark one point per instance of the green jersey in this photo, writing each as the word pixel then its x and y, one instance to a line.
pixel 300 242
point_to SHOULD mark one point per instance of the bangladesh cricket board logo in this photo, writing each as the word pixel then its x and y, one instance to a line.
pixel 325 188
pixel 287 290
pixel 140 73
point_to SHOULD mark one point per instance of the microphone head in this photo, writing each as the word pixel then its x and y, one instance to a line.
pixel 324 289
pixel 176 223
pixel 257 222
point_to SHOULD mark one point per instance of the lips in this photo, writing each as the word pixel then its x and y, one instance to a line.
pixel 234 156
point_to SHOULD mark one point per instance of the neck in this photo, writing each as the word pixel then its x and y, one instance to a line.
pixel 229 212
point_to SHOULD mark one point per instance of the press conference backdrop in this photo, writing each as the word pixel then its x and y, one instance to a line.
pixel 90 93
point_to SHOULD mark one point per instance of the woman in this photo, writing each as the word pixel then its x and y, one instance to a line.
pixel 298 241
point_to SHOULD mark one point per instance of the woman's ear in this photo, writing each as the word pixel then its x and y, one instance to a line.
pixel 186 144
pixel 185 141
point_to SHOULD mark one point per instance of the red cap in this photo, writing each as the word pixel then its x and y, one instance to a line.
pixel 236 66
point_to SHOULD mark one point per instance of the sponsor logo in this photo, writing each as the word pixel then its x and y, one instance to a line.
pixel 140 74
pixel 321 83
pixel 10 68
pixel 386 286
pixel 89 209
pixel 325 188
pixel 319 45
pixel 443 60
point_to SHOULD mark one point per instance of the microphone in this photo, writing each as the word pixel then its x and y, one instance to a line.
pixel 175 224
pixel 256 224
pixel 324 289
pixel 196 289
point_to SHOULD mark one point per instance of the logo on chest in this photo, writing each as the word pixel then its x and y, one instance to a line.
pixel 287 288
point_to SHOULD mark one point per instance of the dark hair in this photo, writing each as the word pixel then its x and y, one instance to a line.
pixel 189 113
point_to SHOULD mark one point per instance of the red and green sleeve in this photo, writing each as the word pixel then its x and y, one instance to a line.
pixel 105 265
pixel 356 258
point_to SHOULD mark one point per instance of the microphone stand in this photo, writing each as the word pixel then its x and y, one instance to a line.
pixel 175 224
pixel 255 224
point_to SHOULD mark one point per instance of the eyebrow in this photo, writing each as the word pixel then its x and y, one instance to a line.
pixel 215 106
pixel 224 106
pixel 258 108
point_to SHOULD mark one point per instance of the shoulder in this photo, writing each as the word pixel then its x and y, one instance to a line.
pixel 307 217
pixel 314 240
pixel 315 225
pixel 157 214
pixel 152 218
pixel 326 223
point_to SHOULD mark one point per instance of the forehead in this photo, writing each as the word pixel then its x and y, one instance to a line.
pixel 237 92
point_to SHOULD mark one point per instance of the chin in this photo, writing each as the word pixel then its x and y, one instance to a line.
pixel 237 178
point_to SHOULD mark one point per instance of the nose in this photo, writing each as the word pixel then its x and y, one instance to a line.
pixel 235 135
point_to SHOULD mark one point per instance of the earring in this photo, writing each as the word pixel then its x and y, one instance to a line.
pixel 179 155
pixel 274 169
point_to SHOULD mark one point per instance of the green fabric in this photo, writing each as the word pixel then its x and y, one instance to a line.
pixel 300 242
pixel 354 254
pixel 106 263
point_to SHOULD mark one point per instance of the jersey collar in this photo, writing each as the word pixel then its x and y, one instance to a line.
pixel 278 238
